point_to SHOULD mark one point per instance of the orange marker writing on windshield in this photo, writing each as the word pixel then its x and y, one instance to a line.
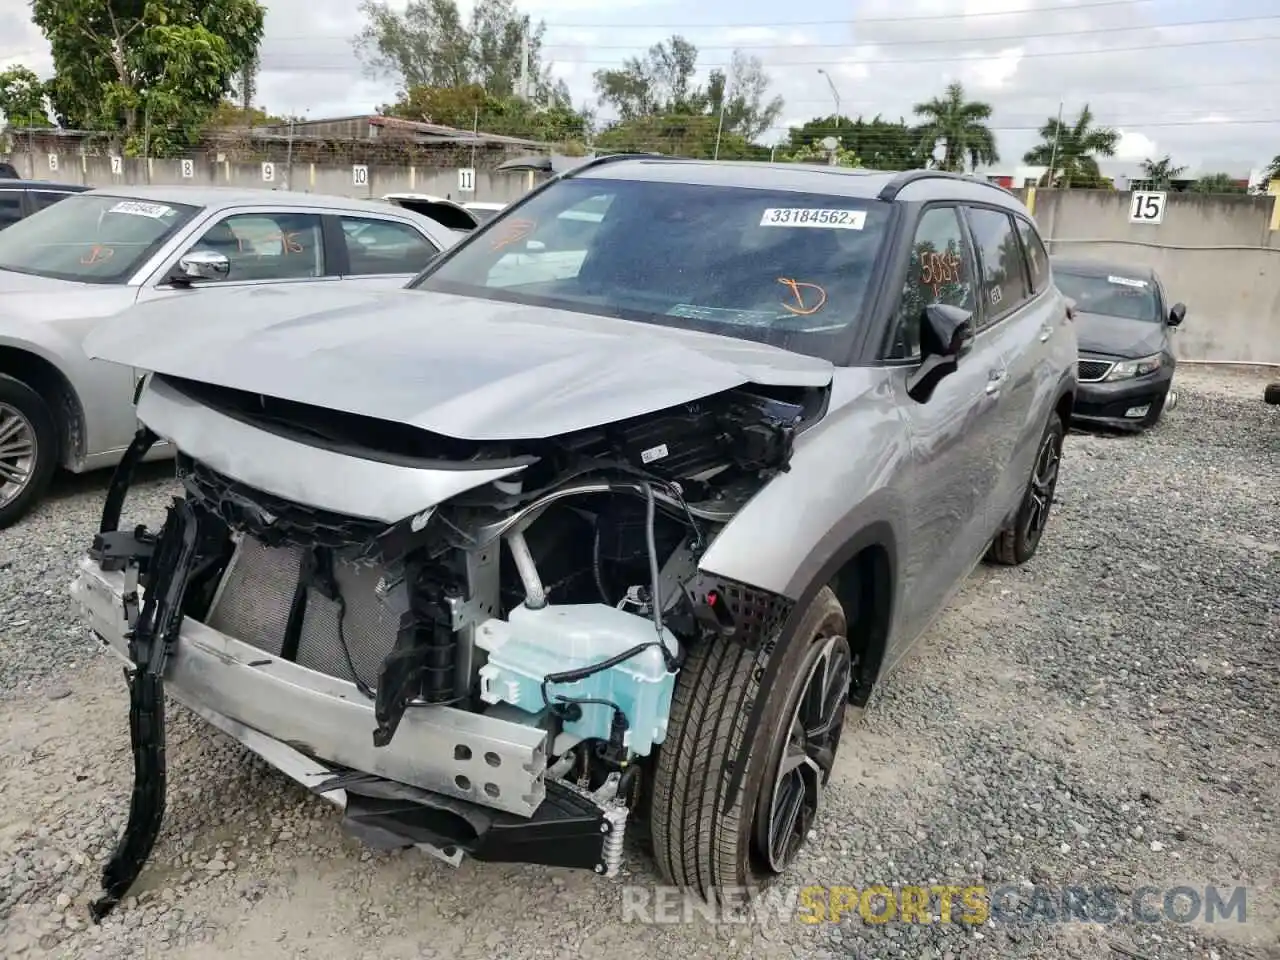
pixel 97 254
pixel 803 304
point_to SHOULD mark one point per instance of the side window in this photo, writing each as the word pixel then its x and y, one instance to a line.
pixel 1004 285
pixel 1037 258
pixel 10 207
pixel 268 246
pixel 941 271
pixel 45 198
pixel 383 246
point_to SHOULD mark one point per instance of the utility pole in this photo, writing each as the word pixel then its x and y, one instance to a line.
pixel 146 134
pixel 1053 155
pixel 834 92
pixel 524 62
pixel 288 162
pixel 724 100
pixel 475 135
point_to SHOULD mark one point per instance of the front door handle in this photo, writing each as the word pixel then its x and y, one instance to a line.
pixel 994 380
pixel 1045 333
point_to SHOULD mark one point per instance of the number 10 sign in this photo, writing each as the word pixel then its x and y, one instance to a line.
pixel 1147 206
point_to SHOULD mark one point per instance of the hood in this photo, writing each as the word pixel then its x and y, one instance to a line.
pixel 457 366
pixel 28 298
pixel 1119 336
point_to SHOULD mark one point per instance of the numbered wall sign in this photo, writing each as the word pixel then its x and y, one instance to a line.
pixel 467 180
pixel 117 165
pixel 1147 206
pixel 53 161
pixel 268 171
pixel 188 169
pixel 360 175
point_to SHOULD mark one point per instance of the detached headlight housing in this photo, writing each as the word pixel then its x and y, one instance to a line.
pixel 1128 369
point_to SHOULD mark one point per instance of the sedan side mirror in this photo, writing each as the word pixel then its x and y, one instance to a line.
pixel 946 335
pixel 201 265
pixel 1177 314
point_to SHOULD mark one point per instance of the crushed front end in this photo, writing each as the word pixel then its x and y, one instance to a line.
pixel 469 647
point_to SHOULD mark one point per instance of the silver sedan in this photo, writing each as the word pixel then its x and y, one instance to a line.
pixel 65 269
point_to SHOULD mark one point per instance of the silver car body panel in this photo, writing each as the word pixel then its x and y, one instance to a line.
pixel 301 472
pixel 50 318
pixel 461 367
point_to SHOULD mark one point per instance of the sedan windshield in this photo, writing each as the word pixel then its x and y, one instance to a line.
pixel 90 238
pixel 785 268
pixel 1114 296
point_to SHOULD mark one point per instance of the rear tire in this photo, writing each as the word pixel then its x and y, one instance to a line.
pixel 1272 394
pixel 697 844
pixel 28 449
pixel 1018 542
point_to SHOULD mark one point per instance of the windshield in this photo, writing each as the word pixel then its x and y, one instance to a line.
pixel 785 268
pixel 90 238
pixel 1113 296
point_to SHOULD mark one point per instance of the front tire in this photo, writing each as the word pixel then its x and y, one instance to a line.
pixel 1018 542
pixel 792 747
pixel 28 449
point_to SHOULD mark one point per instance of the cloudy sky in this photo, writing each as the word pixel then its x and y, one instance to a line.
pixel 1195 80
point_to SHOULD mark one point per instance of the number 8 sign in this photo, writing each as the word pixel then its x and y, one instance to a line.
pixel 1147 206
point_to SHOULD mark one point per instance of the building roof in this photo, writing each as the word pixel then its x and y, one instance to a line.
pixel 419 129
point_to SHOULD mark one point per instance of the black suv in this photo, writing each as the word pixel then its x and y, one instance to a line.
pixel 21 198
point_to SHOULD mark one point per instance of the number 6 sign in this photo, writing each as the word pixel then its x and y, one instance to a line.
pixel 1147 206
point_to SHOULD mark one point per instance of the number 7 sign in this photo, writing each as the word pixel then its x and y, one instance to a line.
pixel 1147 206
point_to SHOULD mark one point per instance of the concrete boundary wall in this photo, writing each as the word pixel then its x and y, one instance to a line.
pixel 1220 255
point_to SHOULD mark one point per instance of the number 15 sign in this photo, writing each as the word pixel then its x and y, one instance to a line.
pixel 1147 206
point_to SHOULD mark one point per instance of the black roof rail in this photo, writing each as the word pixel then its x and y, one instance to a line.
pixel 895 186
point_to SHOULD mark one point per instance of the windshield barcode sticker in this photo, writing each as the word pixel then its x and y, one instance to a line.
pixel 814 217
pixel 1126 282
pixel 139 209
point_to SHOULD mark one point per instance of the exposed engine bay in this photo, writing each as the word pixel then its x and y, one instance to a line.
pixel 513 650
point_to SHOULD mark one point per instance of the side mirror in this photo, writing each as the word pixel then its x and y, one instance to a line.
pixel 946 335
pixel 1177 314
pixel 201 265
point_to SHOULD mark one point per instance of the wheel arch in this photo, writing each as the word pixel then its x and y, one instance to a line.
pixel 47 379
pixel 863 573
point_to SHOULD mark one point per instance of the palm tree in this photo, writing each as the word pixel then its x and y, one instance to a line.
pixel 1158 174
pixel 962 124
pixel 1070 149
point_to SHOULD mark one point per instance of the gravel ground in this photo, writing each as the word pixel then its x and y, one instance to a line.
pixel 1105 715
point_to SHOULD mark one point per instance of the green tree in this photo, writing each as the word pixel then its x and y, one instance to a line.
pixel 471 105
pixel 23 98
pixel 961 125
pixel 1160 173
pixel 661 108
pixel 430 44
pixel 661 82
pixel 1272 172
pixel 247 84
pixel 231 113
pixel 815 153
pixel 1218 183
pixel 881 144
pixel 1074 159
pixel 156 70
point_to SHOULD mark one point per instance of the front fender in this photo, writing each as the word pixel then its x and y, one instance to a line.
pixel 842 480
pixel 95 395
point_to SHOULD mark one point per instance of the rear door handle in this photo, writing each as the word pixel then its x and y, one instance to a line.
pixel 994 380
pixel 1045 333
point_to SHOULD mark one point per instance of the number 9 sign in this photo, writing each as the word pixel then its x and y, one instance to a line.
pixel 1147 206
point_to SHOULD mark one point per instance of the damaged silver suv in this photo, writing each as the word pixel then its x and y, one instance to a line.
pixel 605 520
